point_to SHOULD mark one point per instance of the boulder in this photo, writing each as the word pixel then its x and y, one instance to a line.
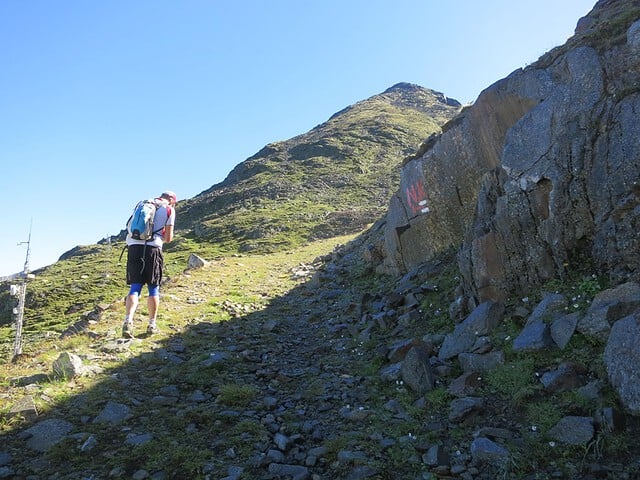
pixel 622 361
pixel 607 307
pixel 563 327
pixel 416 370
pixel 534 337
pixel 195 261
pixel 480 322
pixel 44 435
pixel 573 430
pixel 68 365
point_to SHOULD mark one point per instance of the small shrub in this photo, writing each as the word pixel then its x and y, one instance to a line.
pixel 438 399
pixel 510 379
pixel 237 395
pixel 543 415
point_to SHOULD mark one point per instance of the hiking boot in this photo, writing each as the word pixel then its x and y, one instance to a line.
pixel 127 330
pixel 152 328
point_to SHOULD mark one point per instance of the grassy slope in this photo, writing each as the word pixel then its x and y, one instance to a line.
pixel 335 179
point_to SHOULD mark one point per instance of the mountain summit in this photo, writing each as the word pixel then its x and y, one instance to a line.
pixel 334 179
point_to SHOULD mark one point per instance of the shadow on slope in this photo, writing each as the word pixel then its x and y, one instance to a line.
pixel 231 384
pixel 271 367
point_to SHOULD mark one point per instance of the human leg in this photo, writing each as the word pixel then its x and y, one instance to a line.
pixel 156 262
pixel 153 302
pixel 131 304
pixel 135 278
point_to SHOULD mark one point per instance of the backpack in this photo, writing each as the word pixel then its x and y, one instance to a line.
pixel 140 224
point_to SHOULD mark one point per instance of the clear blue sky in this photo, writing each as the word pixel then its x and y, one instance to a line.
pixel 105 103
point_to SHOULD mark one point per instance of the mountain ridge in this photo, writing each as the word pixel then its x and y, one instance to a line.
pixel 334 179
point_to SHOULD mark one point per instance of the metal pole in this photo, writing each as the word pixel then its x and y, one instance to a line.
pixel 17 346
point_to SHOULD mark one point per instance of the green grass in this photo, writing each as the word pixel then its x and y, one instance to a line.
pixel 237 395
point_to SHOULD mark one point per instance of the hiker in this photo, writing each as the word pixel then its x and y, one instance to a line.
pixel 145 262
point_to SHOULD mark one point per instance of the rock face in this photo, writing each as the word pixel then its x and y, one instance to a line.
pixel 545 166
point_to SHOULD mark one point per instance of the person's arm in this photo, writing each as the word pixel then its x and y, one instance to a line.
pixel 167 236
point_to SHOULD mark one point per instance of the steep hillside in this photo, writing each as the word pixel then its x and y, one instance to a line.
pixel 334 179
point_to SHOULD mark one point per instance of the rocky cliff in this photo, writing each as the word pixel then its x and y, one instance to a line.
pixel 541 170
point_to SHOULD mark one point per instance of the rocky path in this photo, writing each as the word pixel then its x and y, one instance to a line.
pixel 303 385
pixel 274 392
pixel 271 394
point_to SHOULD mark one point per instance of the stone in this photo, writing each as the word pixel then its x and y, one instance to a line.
pixel 399 350
pixel 44 435
pixel 562 328
pixel 416 370
pixel 34 379
pixel 195 262
pixel 362 472
pixel 533 337
pixel 275 456
pixel 608 306
pixel 482 345
pixel 479 323
pixel 610 420
pixel 485 450
pixel 136 440
pixel 462 408
pixel 113 413
pixel 296 472
pixel 550 304
pixel 140 475
pixel 494 432
pixel 482 363
pixel 68 365
pixel 633 36
pixel 215 358
pixel 281 441
pixel 25 407
pixel 7 472
pixel 568 376
pixel 351 456
pixel 465 385
pixel 573 430
pixel 622 361
pixel 436 456
pixel 89 444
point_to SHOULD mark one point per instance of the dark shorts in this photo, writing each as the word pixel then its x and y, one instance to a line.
pixel 148 271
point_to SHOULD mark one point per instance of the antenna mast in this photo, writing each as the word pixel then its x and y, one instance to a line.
pixel 21 291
